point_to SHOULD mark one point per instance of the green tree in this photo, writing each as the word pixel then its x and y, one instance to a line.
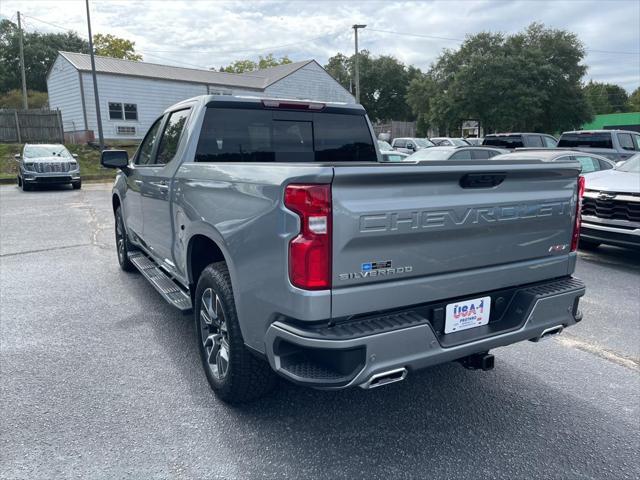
pixel 634 100
pixel 40 51
pixel 109 45
pixel 13 99
pixel 606 97
pixel 528 81
pixel 383 83
pixel 243 66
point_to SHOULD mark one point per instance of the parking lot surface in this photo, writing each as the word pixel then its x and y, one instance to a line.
pixel 101 379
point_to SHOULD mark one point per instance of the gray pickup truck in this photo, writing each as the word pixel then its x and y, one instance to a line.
pixel 301 254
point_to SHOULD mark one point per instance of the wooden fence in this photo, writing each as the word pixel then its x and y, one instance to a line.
pixel 395 129
pixel 34 126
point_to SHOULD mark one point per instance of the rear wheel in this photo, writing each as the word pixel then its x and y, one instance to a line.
pixel 233 372
pixel 122 243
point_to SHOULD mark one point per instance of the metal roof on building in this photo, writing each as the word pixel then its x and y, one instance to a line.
pixel 257 80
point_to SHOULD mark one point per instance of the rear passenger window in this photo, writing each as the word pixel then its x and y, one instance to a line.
pixel 253 135
pixel 534 141
pixel 171 136
pixel 588 164
pixel 480 154
pixel 461 155
pixel 626 142
pixel 605 165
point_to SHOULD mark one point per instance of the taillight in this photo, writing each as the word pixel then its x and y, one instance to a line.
pixel 576 226
pixel 310 251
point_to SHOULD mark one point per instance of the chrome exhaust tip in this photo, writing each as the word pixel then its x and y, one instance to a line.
pixel 385 378
pixel 549 332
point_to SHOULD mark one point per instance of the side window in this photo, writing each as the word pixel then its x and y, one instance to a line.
pixel 626 142
pixel 461 155
pixel 399 143
pixel 115 111
pixel 636 139
pixel 171 136
pixel 549 142
pixel 480 154
pixel 534 141
pixel 588 164
pixel 605 165
pixel 146 147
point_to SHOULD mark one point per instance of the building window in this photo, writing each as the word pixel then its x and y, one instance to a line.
pixel 123 111
pixel 130 111
pixel 125 130
pixel 115 111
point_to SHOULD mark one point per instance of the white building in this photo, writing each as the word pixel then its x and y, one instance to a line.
pixel 133 94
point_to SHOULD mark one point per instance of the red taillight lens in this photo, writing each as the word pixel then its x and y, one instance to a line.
pixel 576 226
pixel 310 251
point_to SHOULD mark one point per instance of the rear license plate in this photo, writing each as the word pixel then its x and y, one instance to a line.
pixel 467 314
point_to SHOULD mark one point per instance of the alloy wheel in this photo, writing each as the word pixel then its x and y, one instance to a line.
pixel 214 334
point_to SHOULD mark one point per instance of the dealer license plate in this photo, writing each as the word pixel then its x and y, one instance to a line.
pixel 467 314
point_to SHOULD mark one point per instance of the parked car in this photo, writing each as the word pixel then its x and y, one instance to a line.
pixel 298 254
pixel 47 164
pixel 393 156
pixel 616 145
pixel 477 141
pixel 589 162
pixel 449 142
pixel 519 140
pixel 385 146
pixel 611 206
pixel 410 145
pixel 456 153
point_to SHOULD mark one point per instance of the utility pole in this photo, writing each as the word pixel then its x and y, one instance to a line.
pixel 95 81
pixel 357 69
pixel 25 103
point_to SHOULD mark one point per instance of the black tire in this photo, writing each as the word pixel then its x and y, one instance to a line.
pixel 77 185
pixel 19 181
pixel 123 247
pixel 589 244
pixel 26 187
pixel 247 377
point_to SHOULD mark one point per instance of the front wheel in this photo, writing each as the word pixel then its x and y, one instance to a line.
pixel 122 243
pixel 77 185
pixel 233 372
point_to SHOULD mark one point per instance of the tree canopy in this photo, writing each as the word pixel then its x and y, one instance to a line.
pixel 243 66
pixel 383 83
pixel 634 100
pixel 529 81
pixel 109 45
pixel 40 51
pixel 606 98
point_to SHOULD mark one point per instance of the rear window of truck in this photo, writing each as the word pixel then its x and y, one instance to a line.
pixel 506 141
pixel 586 140
pixel 254 135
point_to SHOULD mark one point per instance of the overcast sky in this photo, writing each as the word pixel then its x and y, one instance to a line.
pixel 211 33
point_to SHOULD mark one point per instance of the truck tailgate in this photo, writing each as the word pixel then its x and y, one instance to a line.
pixel 410 234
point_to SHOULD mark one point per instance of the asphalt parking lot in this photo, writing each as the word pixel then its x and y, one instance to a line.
pixel 101 379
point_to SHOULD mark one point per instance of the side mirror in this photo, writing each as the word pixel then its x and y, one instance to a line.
pixel 74 155
pixel 114 159
pixel 410 146
pixel 17 156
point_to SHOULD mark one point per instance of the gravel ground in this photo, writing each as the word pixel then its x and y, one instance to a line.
pixel 99 378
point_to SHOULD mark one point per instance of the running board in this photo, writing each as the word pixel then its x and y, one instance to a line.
pixel 162 282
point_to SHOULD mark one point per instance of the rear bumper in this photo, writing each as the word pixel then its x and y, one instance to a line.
pixel 350 353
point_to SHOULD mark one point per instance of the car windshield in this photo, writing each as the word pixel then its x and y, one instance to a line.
pixel 37 151
pixel 586 140
pixel 459 142
pixel 505 141
pixel 384 145
pixel 423 142
pixel 631 165
pixel 435 153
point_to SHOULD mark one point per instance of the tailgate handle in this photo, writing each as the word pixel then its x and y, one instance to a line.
pixel 482 180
